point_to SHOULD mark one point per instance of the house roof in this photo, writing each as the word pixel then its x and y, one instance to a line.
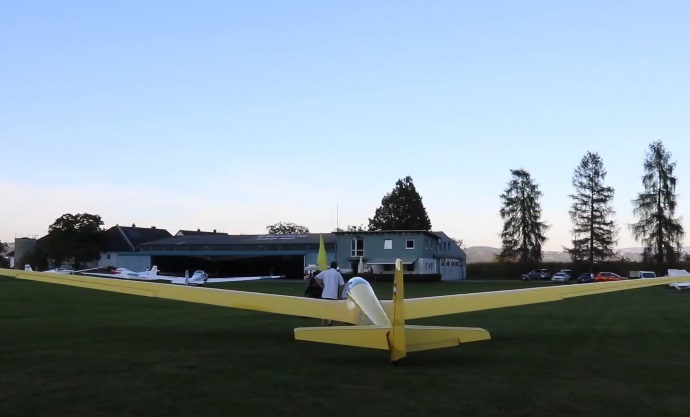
pixel 128 239
pixel 219 239
pixel 197 232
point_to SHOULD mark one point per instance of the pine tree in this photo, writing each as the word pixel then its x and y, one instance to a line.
pixel 401 209
pixel 657 229
pixel 594 234
pixel 523 231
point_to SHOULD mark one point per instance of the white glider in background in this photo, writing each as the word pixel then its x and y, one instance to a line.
pixel 198 278
pixel 125 273
pixel 59 270
pixel 679 273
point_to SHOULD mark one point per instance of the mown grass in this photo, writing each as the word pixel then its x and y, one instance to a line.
pixel 75 352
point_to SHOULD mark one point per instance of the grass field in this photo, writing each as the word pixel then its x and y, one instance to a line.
pixel 76 352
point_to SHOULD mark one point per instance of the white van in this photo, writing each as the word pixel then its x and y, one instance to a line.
pixel 642 274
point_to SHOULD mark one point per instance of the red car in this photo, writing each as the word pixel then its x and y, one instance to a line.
pixel 607 276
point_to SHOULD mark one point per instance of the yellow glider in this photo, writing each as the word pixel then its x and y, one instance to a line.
pixel 375 324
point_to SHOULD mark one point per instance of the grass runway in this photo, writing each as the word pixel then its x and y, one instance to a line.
pixel 76 352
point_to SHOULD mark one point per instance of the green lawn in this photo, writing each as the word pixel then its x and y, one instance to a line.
pixel 75 352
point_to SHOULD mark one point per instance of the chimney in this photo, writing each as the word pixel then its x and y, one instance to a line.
pixel 134 225
pixel 214 230
pixel 153 227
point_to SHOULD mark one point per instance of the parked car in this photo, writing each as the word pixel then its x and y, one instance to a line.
pixel 537 274
pixel 586 277
pixel 607 276
pixel 561 276
pixel 642 274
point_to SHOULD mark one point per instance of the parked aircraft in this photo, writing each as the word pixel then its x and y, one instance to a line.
pixel 60 270
pixel 373 323
pixel 198 278
pixel 127 274
pixel 679 273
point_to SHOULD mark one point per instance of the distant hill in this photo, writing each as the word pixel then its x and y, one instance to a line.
pixel 487 253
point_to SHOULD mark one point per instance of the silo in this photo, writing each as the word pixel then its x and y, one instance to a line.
pixel 22 246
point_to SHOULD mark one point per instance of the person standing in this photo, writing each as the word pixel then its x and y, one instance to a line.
pixel 330 280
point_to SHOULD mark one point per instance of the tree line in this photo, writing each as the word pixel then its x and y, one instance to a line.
pixel 594 232
pixel 400 209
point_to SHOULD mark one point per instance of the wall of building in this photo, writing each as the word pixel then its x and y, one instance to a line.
pixel 108 259
pixel 22 246
pixel 133 262
pixel 311 256
pixel 381 246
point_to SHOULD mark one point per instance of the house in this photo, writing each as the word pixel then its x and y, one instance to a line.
pixel 123 239
pixel 421 252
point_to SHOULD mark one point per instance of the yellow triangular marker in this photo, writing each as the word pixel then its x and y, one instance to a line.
pixel 321 259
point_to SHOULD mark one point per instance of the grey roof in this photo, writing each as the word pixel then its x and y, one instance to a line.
pixel 226 240
pixel 197 232
pixel 455 251
pixel 127 239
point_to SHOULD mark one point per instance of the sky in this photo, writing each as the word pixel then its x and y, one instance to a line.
pixel 236 115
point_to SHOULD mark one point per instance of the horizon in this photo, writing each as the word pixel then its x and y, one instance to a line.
pixel 237 116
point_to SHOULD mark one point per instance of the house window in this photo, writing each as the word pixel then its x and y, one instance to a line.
pixel 409 244
pixel 107 256
pixel 388 244
pixel 357 247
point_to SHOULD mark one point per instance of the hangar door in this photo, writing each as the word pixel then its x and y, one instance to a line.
pixel 291 266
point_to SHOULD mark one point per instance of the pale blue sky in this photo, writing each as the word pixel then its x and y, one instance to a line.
pixel 235 115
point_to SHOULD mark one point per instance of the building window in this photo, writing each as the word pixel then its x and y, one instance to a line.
pixel 357 247
pixel 107 256
pixel 388 244
pixel 409 244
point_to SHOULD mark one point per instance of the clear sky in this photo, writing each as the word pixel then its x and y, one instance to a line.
pixel 235 115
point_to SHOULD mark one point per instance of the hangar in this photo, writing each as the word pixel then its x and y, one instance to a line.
pixel 221 254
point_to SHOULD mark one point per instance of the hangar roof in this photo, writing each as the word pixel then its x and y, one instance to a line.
pixel 222 239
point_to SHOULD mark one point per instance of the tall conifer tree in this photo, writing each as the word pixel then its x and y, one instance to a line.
pixel 523 231
pixel 401 209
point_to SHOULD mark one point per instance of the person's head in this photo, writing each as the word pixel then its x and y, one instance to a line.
pixel 334 265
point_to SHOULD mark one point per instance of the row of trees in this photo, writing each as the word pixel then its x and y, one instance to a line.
pixel 594 231
pixel 401 209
